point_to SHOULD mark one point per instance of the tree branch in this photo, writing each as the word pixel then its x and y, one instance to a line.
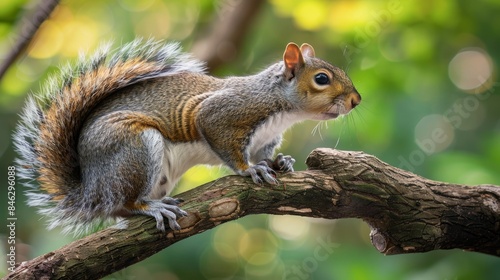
pixel 28 27
pixel 407 213
pixel 225 38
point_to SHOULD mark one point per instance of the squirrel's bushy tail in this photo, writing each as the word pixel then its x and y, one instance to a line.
pixel 46 138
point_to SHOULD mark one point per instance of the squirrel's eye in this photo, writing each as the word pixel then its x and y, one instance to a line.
pixel 321 79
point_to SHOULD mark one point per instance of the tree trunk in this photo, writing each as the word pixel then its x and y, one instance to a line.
pixel 407 213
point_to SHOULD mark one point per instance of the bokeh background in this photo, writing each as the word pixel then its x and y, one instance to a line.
pixel 427 71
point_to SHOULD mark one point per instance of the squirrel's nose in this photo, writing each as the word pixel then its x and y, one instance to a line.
pixel 353 99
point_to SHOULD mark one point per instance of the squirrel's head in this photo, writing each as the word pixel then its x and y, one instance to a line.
pixel 324 90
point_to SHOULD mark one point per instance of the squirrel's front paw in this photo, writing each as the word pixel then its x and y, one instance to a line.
pixel 282 163
pixel 261 172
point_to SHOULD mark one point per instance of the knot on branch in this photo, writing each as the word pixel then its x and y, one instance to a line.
pixel 382 241
pixel 224 209
pixel 378 240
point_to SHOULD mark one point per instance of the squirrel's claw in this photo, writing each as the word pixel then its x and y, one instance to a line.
pixel 283 163
pixel 171 200
pixel 261 172
pixel 265 171
pixel 161 209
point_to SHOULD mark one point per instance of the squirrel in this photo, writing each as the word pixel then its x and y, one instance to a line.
pixel 111 136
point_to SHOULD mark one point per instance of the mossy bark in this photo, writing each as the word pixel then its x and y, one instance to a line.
pixel 407 213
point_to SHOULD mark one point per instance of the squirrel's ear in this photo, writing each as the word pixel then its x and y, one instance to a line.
pixel 307 50
pixel 293 60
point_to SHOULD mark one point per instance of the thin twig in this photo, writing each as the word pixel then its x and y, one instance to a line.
pixel 27 30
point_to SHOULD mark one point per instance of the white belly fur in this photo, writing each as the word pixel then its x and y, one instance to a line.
pixel 178 158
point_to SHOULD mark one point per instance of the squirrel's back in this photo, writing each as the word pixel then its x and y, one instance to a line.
pixel 47 137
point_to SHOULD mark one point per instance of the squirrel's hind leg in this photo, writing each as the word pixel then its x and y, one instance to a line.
pixel 154 202
pixel 160 209
pixel 125 175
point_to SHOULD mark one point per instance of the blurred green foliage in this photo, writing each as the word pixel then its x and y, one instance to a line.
pixel 427 71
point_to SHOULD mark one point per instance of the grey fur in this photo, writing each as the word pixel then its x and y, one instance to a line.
pixel 129 136
pixel 170 60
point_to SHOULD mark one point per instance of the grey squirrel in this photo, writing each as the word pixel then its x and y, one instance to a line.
pixel 112 135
